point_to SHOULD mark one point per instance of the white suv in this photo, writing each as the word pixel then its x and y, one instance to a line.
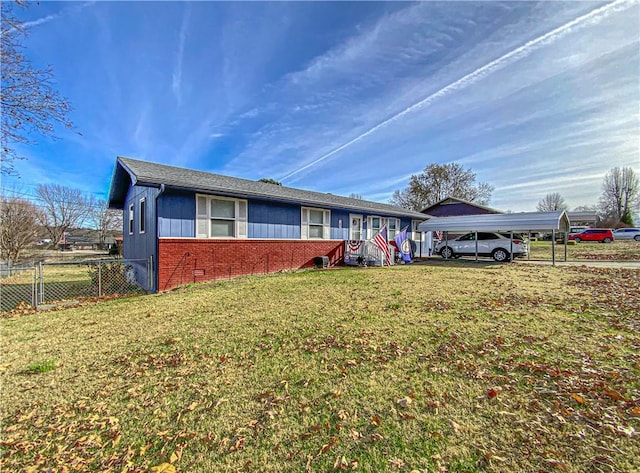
pixel 496 245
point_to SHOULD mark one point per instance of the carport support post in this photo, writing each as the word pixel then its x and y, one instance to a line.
pixel 565 247
pixel 476 238
pixel 553 247
pixel 446 241
pixel 511 246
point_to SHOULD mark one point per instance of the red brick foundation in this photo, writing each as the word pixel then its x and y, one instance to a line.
pixel 183 261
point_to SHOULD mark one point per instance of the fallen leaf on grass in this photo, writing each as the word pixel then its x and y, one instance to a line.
pixel 176 456
pixel 163 468
pixel 372 438
pixel 556 463
pixel 404 402
pixel 341 463
pixel 613 394
pixel 578 398
pixel 325 448
pixel 192 406
pixel 455 426
pixel 492 393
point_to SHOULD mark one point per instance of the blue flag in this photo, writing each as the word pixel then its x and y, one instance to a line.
pixel 404 245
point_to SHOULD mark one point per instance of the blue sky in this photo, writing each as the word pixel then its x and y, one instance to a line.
pixel 345 97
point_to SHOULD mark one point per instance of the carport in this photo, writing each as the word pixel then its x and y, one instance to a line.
pixel 522 222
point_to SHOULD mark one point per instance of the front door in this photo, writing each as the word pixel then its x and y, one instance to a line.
pixel 355 228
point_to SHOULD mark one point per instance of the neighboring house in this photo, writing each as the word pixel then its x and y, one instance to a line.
pixel 587 218
pixel 183 226
pixel 454 207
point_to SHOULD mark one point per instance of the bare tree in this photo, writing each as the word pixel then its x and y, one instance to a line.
pixel 439 181
pixel 106 221
pixel 17 226
pixel 620 195
pixel 30 103
pixel 551 202
pixel 61 208
pixel 585 208
pixel 353 195
pixel 269 180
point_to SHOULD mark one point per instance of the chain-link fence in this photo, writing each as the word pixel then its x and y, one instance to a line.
pixel 58 282
pixel 17 286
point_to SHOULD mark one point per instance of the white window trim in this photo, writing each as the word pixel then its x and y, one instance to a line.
pixel 131 218
pixel 397 228
pixel 141 223
pixel 383 221
pixel 240 218
pixel 305 224
pixel 370 233
pixel 415 233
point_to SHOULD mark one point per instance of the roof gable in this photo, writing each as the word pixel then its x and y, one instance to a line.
pixel 453 206
pixel 132 171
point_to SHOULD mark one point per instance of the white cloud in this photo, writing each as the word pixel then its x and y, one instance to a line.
pixel 176 84
pixel 480 73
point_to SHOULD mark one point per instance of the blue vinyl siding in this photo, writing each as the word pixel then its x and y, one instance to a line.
pixel 176 214
pixel 141 246
pixel 265 220
pixel 273 220
pixel 403 223
pixel 339 224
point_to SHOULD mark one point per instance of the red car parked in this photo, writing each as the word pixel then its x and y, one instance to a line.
pixel 604 235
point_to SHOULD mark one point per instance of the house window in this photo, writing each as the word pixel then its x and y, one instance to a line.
pixel 316 224
pixel 142 215
pixel 416 234
pixel 393 227
pixel 130 219
pixel 220 217
pixel 375 224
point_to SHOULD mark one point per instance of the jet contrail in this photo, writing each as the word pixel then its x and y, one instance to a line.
pixel 54 16
pixel 593 17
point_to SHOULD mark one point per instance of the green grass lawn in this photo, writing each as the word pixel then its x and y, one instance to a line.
pixel 593 251
pixel 477 367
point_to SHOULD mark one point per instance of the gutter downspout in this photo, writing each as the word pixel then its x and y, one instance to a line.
pixel 154 264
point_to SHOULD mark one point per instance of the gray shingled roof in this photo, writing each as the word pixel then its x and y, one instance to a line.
pixel 154 174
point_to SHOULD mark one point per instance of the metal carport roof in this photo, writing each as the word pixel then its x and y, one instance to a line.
pixel 517 222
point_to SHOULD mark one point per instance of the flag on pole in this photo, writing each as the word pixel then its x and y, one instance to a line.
pixel 381 242
pixel 404 245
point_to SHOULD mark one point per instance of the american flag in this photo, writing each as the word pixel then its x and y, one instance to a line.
pixel 381 242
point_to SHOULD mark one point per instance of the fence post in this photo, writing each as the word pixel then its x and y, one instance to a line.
pixel 100 279
pixel 40 297
pixel 34 288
